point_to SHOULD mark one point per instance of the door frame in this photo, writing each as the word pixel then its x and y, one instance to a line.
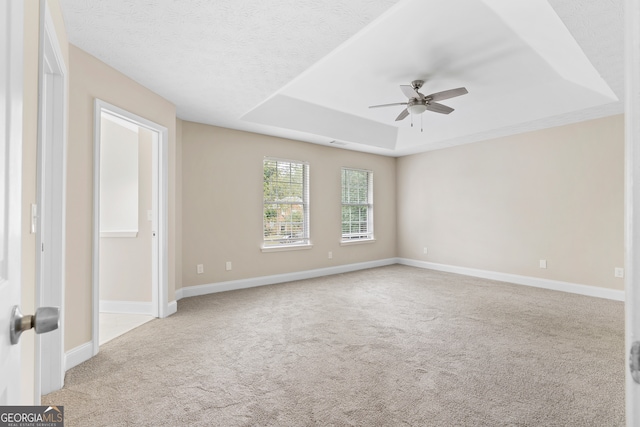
pixel 51 199
pixel 160 186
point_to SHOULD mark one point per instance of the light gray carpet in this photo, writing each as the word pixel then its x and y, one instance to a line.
pixel 391 346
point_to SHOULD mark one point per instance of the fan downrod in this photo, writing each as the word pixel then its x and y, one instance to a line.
pixel 417 84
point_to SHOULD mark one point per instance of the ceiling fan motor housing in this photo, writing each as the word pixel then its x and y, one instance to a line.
pixel 417 84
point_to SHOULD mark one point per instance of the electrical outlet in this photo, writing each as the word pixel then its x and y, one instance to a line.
pixel 425 250
pixel 330 255
pixel 618 272
pixel 200 268
pixel 228 266
pixel 543 263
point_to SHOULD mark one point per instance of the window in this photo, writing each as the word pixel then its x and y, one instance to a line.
pixel 285 203
pixel 357 205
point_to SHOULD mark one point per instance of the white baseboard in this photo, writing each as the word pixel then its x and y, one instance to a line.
pixel 574 288
pixel 172 307
pixel 126 307
pixel 192 291
pixel 84 352
pixel 78 355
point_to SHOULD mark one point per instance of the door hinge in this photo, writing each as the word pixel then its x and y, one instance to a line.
pixel 634 361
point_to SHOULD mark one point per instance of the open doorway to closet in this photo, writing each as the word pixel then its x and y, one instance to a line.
pixel 129 222
pixel 126 227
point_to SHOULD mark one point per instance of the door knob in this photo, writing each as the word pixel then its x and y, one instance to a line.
pixel 46 319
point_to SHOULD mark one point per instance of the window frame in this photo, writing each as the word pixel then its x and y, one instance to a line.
pixel 301 242
pixel 368 235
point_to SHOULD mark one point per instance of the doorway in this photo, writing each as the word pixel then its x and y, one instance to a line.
pixel 130 221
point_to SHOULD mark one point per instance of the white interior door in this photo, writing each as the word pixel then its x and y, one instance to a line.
pixel 11 45
pixel 632 210
pixel 50 230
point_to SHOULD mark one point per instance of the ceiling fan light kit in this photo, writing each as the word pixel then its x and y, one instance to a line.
pixel 419 103
pixel 417 108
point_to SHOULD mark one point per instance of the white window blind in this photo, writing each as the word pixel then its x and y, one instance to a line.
pixel 357 204
pixel 285 202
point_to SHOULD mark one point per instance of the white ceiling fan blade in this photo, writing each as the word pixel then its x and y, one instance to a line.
pixel 409 91
pixel 402 115
pixel 388 105
pixel 439 108
pixel 439 96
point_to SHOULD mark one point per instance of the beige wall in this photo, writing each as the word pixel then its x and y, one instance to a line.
pixel 222 205
pixel 504 204
pixel 497 205
pixel 125 262
pixel 90 79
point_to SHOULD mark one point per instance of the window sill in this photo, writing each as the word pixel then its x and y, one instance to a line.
pixel 356 242
pixel 120 233
pixel 285 248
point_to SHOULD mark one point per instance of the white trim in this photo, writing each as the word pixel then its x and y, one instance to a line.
pixel 51 196
pixel 282 159
pixel 123 233
pixel 121 122
pixel 95 279
pixel 156 264
pixel 370 221
pixel 306 207
pixel 574 288
pixel 285 247
pixel 356 242
pixel 78 355
pixel 160 170
pixel 84 352
pixel 172 307
pixel 192 291
pixel 593 291
pixel 126 307
pixel 357 169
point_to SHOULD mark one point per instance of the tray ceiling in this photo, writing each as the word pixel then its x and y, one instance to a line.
pixel 308 71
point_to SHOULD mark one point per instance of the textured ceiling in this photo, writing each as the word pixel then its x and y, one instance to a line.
pixel 223 62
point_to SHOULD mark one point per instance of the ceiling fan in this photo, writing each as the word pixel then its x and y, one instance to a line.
pixel 419 103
